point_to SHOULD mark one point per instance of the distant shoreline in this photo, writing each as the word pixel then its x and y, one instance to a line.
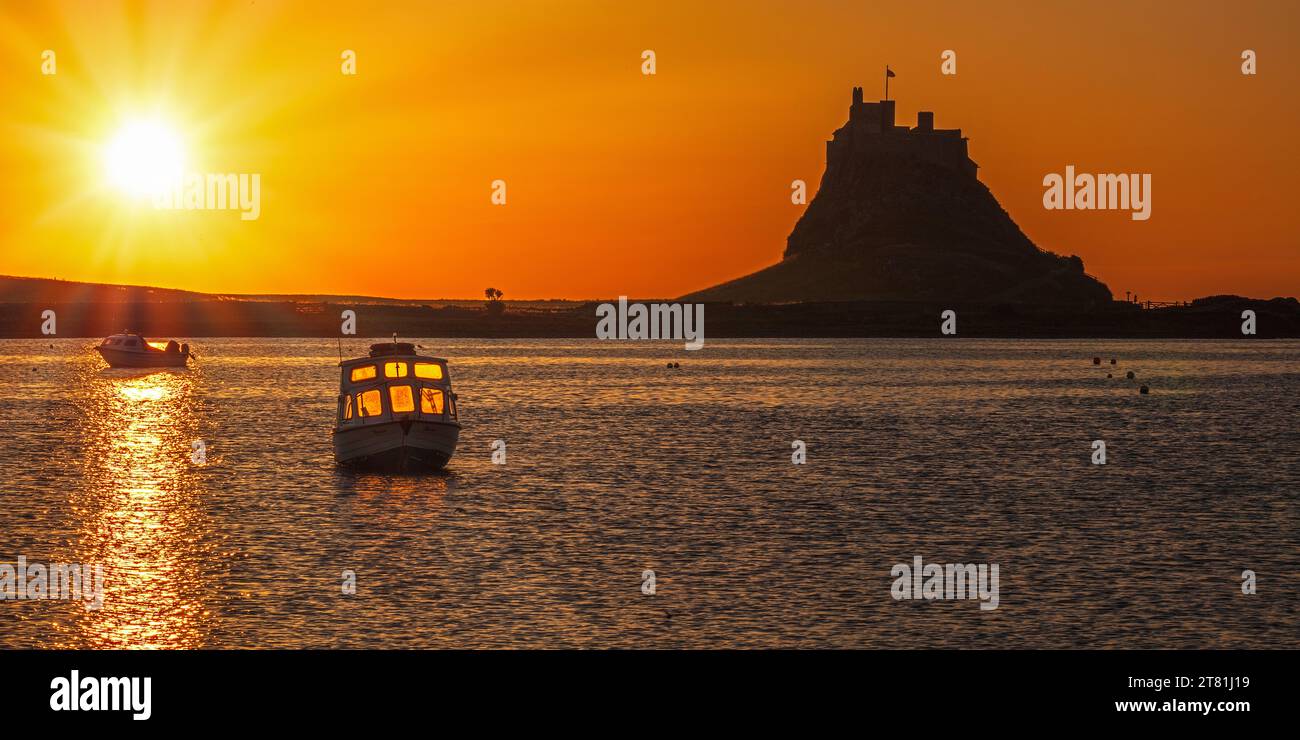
pixel 1218 317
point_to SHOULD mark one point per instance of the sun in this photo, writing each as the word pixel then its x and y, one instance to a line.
pixel 144 157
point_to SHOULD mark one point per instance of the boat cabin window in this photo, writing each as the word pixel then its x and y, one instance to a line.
pixel 132 342
pixel 347 407
pixel 369 404
pixel 401 398
pixel 394 369
pixel 431 401
pixel 428 370
pixel 362 372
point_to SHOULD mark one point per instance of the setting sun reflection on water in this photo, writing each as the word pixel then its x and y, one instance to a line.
pixel 140 511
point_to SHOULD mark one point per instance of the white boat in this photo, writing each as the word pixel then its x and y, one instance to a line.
pixel 396 411
pixel 132 350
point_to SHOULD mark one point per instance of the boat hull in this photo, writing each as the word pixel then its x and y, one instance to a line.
pixel 404 446
pixel 126 358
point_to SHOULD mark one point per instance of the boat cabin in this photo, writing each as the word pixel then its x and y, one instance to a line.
pixel 394 383
pixel 129 342
pixel 125 341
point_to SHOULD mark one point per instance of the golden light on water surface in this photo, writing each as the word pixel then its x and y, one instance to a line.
pixel 140 515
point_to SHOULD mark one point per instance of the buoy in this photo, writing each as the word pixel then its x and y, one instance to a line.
pixel 677 364
pixel 1096 360
pixel 1144 390
pixel 1112 360
pixel 670 364
pixel 1129 375
pixel 1108 375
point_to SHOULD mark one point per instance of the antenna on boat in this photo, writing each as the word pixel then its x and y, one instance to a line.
pixel 340 350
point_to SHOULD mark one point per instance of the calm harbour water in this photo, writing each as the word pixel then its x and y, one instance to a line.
pixel 954 450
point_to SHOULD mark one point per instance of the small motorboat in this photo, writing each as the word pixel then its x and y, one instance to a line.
pixel 396 411
pixel 132 350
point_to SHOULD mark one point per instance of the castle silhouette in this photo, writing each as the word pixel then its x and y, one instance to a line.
pixel 901 216
pixel 871 130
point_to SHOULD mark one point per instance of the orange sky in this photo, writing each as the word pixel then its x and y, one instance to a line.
pixel 619 183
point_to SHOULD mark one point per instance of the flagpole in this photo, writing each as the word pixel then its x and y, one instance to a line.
pixel 886 82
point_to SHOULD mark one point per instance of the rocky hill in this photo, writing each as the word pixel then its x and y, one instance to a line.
pixel 901 216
